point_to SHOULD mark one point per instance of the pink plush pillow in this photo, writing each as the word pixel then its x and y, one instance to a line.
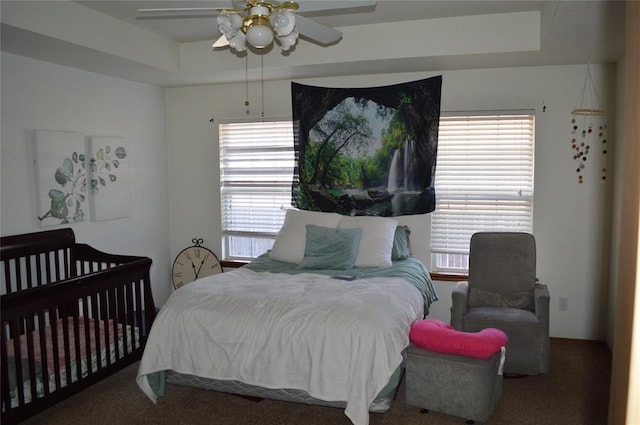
pixel 435 335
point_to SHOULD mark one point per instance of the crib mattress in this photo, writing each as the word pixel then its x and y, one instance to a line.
pixel 116 351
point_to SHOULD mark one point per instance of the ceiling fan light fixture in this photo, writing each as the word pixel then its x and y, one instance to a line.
pixel 259 34
pixel 288 41
pixel 229 24
pixel 238 42
pixel 283 22
pixel 260 26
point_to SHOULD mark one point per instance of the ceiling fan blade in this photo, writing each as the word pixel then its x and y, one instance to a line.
pixel 239 4
pixel 318 5
pixel 316 31
pixel 178 9
pixel 185 16
pixel 220 42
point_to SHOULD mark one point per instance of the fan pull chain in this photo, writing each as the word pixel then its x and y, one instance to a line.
pixel 262 83
pixel 246 82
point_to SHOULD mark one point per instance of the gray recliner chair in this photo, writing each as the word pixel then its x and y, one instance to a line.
pixel 502 292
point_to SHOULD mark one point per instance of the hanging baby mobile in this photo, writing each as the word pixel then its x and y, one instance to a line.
pixel 588 126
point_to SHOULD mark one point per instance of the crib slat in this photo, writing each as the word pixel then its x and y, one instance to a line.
pixel 115 299
pixel 29 329
pixel 6 265
pixel 87 334
pixel 27 267
pixel 129 327
pixel 55 342
pixel 95 300
pixel 122 316
pixel 6 395
pixel 38 270
pixel 69 272
pixel 18 275
pixel 56 266
pixel 106 316
pixel 77 345
pixel 67 348
pixel 42 321
pixel 138 309
pixel 48 256
pixel 17 349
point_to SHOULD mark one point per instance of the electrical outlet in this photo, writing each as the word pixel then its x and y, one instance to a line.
pixel 563 303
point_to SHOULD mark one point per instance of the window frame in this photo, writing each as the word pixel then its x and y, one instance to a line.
pixel 525 195
pixel 227 234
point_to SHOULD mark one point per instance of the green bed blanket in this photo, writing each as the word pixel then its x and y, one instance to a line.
pixel 411 269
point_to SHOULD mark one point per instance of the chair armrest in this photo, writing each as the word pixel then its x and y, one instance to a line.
pixel 459 301
pixel 541 302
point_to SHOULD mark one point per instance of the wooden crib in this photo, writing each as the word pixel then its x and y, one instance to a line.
pixel 71 316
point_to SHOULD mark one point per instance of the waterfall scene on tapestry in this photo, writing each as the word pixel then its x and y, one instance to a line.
pixel 366 151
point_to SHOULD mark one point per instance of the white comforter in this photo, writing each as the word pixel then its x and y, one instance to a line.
pixel 337 340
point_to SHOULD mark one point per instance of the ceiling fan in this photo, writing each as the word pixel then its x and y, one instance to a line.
pixel 259 23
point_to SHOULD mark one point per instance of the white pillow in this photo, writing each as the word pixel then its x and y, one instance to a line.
pixel 292 238
pixel 376 243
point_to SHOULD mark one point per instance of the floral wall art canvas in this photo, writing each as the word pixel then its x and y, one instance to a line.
pixel 60 163
pixel 109 178
pixel 81 178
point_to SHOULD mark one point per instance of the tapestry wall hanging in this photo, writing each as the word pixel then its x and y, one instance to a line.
pixel 366 151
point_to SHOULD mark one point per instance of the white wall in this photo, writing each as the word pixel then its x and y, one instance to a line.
pixel 42 96
pixel 571 220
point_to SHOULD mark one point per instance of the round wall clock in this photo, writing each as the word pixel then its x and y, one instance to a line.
pixel 192 263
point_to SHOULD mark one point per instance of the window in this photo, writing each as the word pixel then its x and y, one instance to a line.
pixel 256 170
pixel 484 182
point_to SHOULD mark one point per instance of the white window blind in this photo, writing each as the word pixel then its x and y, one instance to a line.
pixel 484 182
pixel 256 169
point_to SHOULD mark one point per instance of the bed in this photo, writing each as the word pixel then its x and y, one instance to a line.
pixel 322 318
pixel 71 316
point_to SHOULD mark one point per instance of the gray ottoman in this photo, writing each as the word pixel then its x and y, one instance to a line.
pixel 456 385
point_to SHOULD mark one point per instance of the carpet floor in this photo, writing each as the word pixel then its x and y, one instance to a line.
pixel 575 392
